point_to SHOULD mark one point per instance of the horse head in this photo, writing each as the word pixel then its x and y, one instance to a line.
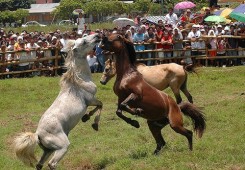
pixel 81 45
pixel 118 43
pixel 109 71
pixel 84 45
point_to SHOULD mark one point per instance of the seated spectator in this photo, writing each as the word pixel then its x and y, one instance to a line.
pixel 92 62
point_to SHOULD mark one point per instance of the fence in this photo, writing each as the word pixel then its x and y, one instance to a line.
pixel 58 57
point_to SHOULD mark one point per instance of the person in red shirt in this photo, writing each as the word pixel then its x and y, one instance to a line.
pixel 167 43
pixel 158 37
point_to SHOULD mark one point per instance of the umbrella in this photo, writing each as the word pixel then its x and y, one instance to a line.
pixel 122 22
pixel 77 11
pixel 224 13
pixel 214 18
pixel 238 16
pixel 184 5
pixel 240 9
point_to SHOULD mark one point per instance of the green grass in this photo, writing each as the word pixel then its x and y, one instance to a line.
pixel 117 145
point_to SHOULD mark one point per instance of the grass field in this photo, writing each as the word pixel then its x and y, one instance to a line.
pixel 119 146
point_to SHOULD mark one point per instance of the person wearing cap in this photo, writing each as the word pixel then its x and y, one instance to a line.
pixel 16 45
pixel 171 18
pixel 194 36
pixel 219 30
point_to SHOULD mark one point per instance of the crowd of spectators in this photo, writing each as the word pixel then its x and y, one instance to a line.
pixel 174 38
pixel 185 36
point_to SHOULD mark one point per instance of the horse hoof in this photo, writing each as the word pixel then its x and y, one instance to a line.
pixel 139 111
pixel 85 118
pixel 156 152
pixel 95 126
pixel 135 123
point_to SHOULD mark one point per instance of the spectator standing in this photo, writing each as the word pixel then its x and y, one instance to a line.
pixel 241 42
pixel 159 35
pixel 100 57
pixel 167 43
pixel 139 39
pixel 221 45
pixel 213 46
pixel 232 44
pixel 171 18
pixel 33 47
pixel 80 22
pixel 22 56
pixel 150 38
pixel 194 36
pixel 177 43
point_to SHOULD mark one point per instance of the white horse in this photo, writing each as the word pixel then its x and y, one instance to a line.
pixel 76 94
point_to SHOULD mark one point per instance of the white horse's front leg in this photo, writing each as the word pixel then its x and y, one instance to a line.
pixel 99 106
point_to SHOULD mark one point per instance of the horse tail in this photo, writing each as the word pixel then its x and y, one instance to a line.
pixel 197 116
pixel 24 146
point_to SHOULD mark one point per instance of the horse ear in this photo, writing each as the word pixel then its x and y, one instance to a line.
pixel 120 36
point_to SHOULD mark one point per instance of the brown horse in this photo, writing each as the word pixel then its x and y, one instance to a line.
pixel 139 98
pixel 159 76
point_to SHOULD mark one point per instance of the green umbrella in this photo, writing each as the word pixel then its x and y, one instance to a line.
pixel 214 18
pixel 238 16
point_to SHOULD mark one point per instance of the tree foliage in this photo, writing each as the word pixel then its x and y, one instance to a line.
pixel 13 5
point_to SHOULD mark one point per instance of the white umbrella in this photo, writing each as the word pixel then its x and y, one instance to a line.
pixel 122 22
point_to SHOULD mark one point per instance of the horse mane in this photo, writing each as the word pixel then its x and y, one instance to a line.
pixel 131 51
pixel 71 76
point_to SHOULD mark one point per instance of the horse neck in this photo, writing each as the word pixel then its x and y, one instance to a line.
pixel 83 71
pixel 123 64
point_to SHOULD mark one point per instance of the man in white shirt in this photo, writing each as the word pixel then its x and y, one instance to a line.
pixel 194 36
pixel 92 62
pixel 171 18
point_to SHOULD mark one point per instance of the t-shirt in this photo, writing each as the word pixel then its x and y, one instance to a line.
pixel 91 60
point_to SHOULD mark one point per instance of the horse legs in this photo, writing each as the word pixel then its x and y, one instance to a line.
pixel 62 147
pixel 125 104
pixel 126 119
pixel 155 128
pixel 176 92
pixel 45 156
pixel 86 117
pixel 176 122
pixel 187 94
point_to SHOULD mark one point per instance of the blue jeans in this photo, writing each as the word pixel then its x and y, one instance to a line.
pixel 101 60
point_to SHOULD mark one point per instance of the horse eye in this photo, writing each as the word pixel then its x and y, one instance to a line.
pixel 106 70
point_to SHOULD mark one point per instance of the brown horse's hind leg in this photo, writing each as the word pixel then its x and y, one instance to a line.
pixel 176 122
pixel 155 128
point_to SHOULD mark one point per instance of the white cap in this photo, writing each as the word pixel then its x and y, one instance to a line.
pixel 54 37
pixel 19 38
pixel 202 29
pixel 227 28
pixel 80 32
pixel 194 26
pixel 219 26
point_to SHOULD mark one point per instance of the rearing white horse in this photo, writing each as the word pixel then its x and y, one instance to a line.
pixel 76 94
